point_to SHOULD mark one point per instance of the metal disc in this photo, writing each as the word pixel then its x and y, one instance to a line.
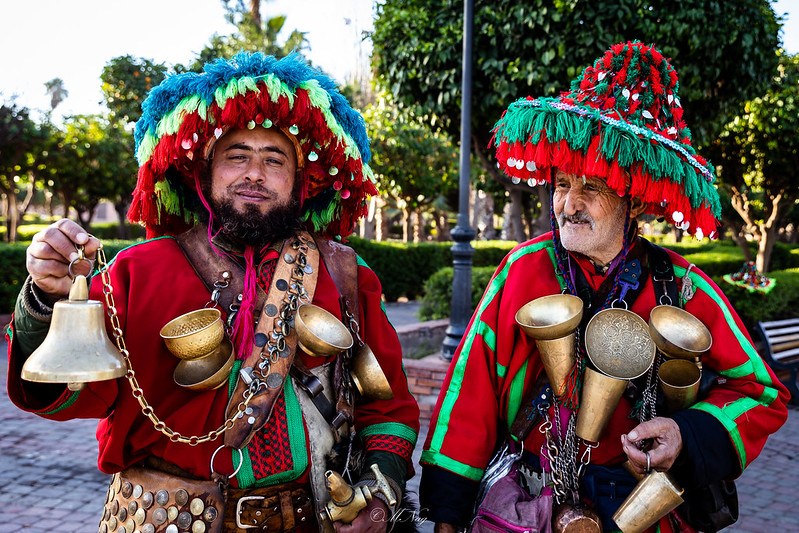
pixel 618 343
pixel 274 381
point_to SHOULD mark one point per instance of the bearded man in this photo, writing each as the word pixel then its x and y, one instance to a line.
pixel 249 174
pixel 612 148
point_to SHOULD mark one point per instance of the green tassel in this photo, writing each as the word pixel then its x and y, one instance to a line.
pixel 167 198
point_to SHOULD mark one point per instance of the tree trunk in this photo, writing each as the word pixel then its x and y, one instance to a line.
pixel 768 234
pixel 738 238
pixel 406 224
pixel 122 230
pixel 442 221
pixel 418 225
pixel 11 217
pixel 380 220
pixel 542 222
pixel 516 208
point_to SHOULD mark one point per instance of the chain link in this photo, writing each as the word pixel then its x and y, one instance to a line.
pixel 138 393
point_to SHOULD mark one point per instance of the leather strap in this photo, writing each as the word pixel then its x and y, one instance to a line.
pixel 210 266
pixel 245 427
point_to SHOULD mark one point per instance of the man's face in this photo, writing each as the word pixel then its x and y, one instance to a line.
pixel 590 216
pixel 253 169
pixel 253 188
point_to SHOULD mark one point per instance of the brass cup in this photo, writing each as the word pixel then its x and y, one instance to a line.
pixel 368 377
pixel 679 380
pixel 551 321
pixel 598 401
pixel 320 333
pixel 652 499
pixel 194 334
pixel 209 372
pixel 678 333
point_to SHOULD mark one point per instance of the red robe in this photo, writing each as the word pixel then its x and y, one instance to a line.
pixel 154 283
pixel 496 361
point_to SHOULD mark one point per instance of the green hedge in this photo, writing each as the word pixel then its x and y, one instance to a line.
pixel 438 292
pixel 12 265
pixel 403 268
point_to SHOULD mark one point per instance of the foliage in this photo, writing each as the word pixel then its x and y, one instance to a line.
pixel 21 142
pixel 437 300
pixel 723 52
pixel 754 307
pixel 252 35
pixel 58 93
pixel 403 267
pixel 414 165
pixel 126 82
pixel 759 152
pixel 93 160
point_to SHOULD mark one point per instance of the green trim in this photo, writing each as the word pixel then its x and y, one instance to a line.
pixel 453 391
pixel 729 424
pixel 516 393
pixel 133 246
pixel 297 440
pixel 438 459
pixel 502 370
pixel 391 428
pixel 72 399
pixel 488 334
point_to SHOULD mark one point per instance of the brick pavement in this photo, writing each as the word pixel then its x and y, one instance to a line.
pixel 50 482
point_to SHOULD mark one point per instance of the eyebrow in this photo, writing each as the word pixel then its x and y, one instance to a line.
pixel 247 147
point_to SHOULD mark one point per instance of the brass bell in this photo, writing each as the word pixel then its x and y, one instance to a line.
pixel 368 377
pixel 76 349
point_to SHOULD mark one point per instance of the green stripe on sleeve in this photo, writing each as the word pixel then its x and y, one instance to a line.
pixel 72 399
pixel 391 428
pixel 729 425
pixel 436 458
pixel 516 393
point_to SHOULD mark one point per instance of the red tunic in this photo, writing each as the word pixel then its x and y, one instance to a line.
pixel 154 283
pixel 496 361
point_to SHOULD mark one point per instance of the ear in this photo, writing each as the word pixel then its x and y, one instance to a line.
pixel 637 206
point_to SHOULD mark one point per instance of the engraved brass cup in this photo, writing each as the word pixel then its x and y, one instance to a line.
pixel 368 377
pixel 320 333
pixel 76 349
pixel 575 519
pixel 678 333
pixel 679 381
pixel 652 499
pixel 618 344
pixel 194 334
pixel 209 372
pixel 551 321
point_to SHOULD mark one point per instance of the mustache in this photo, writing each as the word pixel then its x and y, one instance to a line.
pixel 254 187
pixel 579 217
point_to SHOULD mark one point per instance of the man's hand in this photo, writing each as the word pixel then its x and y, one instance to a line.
pixel 50 253
pixel 666 444
pixel 372 518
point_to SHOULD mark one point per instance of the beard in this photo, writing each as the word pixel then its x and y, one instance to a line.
pixel 252 227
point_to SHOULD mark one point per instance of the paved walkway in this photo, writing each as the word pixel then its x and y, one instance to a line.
pixel 49 479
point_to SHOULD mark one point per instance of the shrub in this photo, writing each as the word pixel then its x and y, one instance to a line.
pixel 753 307
pixel 437 298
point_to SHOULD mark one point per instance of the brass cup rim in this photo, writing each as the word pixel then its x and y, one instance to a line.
pixel 208 372
pixel 678 333
pixel 560 315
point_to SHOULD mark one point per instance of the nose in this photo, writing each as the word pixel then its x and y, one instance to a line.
pixel 255 173
pixel 574 201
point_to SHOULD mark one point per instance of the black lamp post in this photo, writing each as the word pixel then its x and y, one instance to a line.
pixel 463 233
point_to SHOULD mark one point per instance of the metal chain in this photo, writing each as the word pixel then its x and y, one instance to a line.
pixel 138 393
pixel 649 395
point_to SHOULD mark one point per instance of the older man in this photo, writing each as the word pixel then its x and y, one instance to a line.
pixel 612 148
pixel 237 165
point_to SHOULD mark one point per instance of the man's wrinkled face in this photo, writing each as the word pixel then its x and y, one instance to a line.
pixel 590 215
pixel 254 185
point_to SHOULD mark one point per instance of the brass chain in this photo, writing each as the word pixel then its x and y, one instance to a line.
pixel 138 393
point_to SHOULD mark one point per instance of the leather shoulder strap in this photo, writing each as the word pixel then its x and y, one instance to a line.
pixel 210 266
pixel 342 263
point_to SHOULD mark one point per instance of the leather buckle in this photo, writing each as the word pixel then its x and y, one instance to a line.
pixel 239 511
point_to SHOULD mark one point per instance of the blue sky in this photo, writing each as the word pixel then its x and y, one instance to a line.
pixel 76 38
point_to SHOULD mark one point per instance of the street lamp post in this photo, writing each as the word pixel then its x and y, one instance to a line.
pixel 463 233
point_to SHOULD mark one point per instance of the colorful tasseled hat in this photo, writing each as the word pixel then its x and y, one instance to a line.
pixel 621 116
pixel 187 112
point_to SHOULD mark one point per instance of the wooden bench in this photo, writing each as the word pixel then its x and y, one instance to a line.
pixel 781 350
